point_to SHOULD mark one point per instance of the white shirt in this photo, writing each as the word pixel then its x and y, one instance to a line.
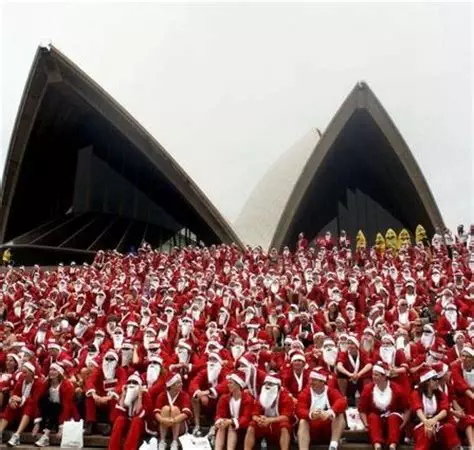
pixel 319 401
pixel 234 406
pixel 429 405
pixel 54 394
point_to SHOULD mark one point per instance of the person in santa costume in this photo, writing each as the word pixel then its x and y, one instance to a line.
pixel 295 378
pixel 233 413
pixel 271 415
pixel 56 403
pixel 9 377
pixel 103 388
pixel 23 403
pixel 320 410
pixel 206 387
pixel 172 410
pixel 254 377
pixel 430 408
pixel 133 408
pixel 384 408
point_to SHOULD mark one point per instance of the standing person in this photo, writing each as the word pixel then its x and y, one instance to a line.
pixel 172 410
pixel 431 408
pixel 384 408
pixel 320 410
pixel 56 403
pixel 234 411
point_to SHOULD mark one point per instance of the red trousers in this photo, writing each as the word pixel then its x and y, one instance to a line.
pixel 320 431
pixel 446 438
pixel 28 409
pixel 384 430
pixel 109 408
pixel 272 432
pixel 126 433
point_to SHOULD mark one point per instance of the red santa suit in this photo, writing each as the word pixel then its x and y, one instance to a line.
pixel 103 384
pixel 293 382
pixel 182 401
pixel 384 410
pixel 239 410
pixel 329 400
pixel 283 406
pixel 132 411
pixel 463 380
pixel 445 435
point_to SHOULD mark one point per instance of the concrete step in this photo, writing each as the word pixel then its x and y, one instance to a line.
pixel 89 441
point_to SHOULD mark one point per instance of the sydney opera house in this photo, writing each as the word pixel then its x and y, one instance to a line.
pixel 81 175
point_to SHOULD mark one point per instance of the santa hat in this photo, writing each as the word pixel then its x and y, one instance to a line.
pixel 150 330
pixel 8 324
pixel 427 374
pixel 29 366
pixel 428 328
pixel 298 356
pixel 28 350
pixel 135 377
pixel 438 350
pixel 185 344
pixel 238 377
pixel 468 351
pixel 389 338
pixel 54 346
pixel 58 368
pixel 318 374
pixel 288 340
pixel 354 340
pixel 15 357
pixel 248 359
pixel 369 331
pixel 457 335
pixel 132 323
pixel 155 359
pixel 272 379
pixel 99 332
pixel 173 378
pixel 328 341
pixel 380 367
pixel 441 369
pixel 111 353
pixel 127 345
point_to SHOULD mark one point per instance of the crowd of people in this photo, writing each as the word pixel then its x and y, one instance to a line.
pixel 271 346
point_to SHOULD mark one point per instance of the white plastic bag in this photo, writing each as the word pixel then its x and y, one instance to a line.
pixel 189 442
pixel 73 434
pixel 151 445
pixel 353 420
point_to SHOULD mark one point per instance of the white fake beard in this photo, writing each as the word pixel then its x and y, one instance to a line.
pixel 127 356
pixel 169 317
pixel 222 319
pixel 237 351
pixel 248 317
pixel 213 371
pixel 163 334
pixel 387 354
pixel 185 330
pixel 183 356
pixel 330 356
pixel 353 288
pixel 117 340
pixel 110 327
pixel 400 343
pixel 130 331
pixel 351 316
pixel 98 342
pixel 275 288
pixel 366 345
pixel 196 314
pixel 108 368
pixel 268 396
pixel 90 358
pixel 146 341
pixel 451 317
pixel 426 340
pixel 131 395
pixel 152 373
pixel 210 332
pixel 17 311
pixel 291 316
pixel 145 321
pixel 435 278
pixel 40 335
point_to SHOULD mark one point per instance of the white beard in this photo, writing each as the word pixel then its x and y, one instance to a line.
pixel 222 320
pixel 185 330
pixel 268 396
pixel 89 358
pixel 146 341
pixel 400 343
pixel 117 340
pixel 387 354
pixel 237 351
pixel 382 399
pixel 210 332
pixel 403 317
pixel 131 395
pixel 451 317
pixel 108 368
pixel 127 356
pixel 435 279
pixel 291 316
pixel 152 373
pixel 248 317
pixel 410 298
pixel 196 314
pixel 145 321
pixel 98 342
pixel 213 371
pixel 163 334
pixel 40 335
pixel 183 356
pixel 366 345
pixel 169 317
pixel 17 311
pixel 130 331
pixel 330 356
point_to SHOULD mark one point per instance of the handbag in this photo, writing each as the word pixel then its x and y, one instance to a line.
pixel 73 434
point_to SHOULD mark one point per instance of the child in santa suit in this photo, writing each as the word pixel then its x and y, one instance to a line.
pixel 430 408
pixel 384 408
pixel 234 412
pixel 320 410
pixel 271 415
pixel 133 408
pixel 23 402
pixel 172 410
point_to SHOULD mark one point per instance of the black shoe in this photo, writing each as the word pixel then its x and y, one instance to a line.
pixel 88 429
pixel 106 430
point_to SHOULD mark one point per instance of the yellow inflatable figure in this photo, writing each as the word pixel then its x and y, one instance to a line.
pixel 379 243
pixel 361 242
pixel 391 240
pixel 420 234
pixel 404 239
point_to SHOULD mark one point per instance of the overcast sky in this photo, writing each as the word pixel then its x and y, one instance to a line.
pixel 227 89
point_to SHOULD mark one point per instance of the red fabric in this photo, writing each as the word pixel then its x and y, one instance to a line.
pixel 245 412
pixel 183 402
pixel 445 438
pixel 336 400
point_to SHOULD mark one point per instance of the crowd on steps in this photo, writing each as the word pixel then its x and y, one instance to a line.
pixel 273 346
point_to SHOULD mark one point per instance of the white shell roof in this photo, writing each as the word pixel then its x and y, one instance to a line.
pixel 257 222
